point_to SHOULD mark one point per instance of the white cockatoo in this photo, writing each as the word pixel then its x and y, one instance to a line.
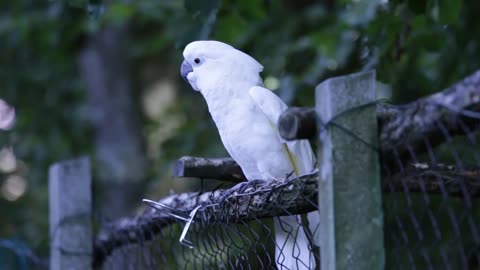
pixel 246 115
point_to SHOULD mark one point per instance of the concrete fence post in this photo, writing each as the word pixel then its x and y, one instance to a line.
pixel 70 196
pixel 351 222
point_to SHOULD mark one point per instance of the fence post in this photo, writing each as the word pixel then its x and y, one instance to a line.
pixel 70 215
pixel 351 221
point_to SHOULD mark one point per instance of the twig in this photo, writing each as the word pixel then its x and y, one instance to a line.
pixel 214 168
pixel 444 179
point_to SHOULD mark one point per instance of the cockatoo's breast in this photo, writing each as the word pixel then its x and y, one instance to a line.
pixel 246 133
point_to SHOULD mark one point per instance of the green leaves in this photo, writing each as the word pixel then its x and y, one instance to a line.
pixel 119 12
pixel 449 11
pixel 251 9
pixel 231 28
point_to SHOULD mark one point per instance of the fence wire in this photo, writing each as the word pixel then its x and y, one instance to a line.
pixel 431 216
pixel 430 205
pixel 231 230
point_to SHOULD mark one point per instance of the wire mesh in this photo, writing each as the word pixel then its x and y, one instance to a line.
pixel 431 217
pixel 430 182
pixel 431 205
pixel 232 230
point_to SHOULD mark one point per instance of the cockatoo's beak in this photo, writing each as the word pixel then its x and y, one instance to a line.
pixel 185 69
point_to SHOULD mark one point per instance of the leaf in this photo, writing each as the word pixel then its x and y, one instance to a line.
pixel 449 11
pixel 230 28
pixel 252 8
pixel 119 12
pixel 430 41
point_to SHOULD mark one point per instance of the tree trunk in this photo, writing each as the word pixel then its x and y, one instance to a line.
pixel 118 144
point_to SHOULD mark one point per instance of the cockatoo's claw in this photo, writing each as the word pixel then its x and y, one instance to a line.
pixel 229 192
pixel 239 189
pixel 290 174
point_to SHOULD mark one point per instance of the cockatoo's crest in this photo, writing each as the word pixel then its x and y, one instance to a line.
pixel 212 49
pixel 208 61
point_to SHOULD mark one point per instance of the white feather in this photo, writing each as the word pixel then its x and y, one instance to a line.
pixel 272 106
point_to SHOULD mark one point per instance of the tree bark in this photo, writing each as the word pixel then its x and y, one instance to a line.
pixel 225 169
pixel 406 128
pixel 433 119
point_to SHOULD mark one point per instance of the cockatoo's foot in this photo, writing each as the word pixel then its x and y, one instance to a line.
pixel 279 180
pixel 241 188
pixel 289 175
pixel 292 175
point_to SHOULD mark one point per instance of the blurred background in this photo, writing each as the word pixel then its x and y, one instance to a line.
pixel 101 78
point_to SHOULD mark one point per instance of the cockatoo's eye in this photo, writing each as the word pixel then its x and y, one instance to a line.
pixel 197 60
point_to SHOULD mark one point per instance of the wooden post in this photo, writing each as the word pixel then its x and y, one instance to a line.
pixel 71 215
pixel 351 222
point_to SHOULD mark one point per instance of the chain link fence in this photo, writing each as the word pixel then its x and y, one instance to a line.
pixel 230 230
pixel 431 203
pixel 430 177
pixel 429 156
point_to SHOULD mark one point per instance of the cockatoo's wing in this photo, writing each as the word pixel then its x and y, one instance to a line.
pixel 269 103
pixel 290 238
pixel 299 151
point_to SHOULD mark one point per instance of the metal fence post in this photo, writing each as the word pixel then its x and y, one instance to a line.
pixel 70 198
pixel 351 222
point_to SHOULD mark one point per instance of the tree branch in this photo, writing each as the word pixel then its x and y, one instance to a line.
pixel 455 110
pixel 298 123
pixel 422 177
pixel 213 168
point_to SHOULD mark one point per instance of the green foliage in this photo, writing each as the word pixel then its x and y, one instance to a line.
pixel 448 11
